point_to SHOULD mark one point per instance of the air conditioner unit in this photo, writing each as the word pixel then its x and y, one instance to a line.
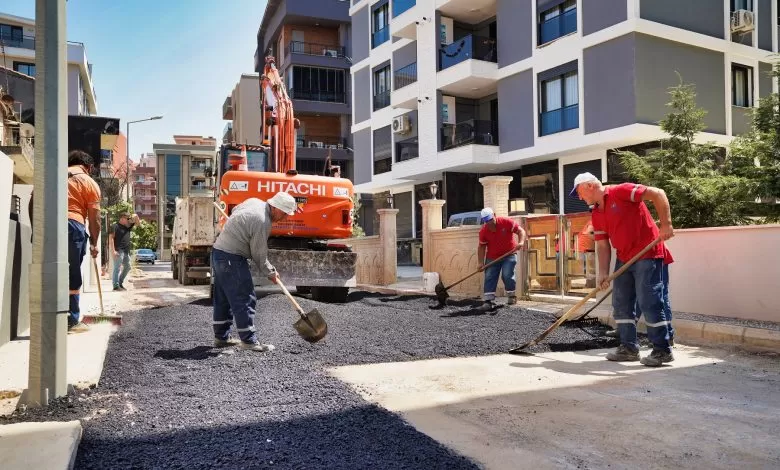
pixel 330 52
pixel 742 21
pixel 401 125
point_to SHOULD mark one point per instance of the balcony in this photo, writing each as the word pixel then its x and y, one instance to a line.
pixel 470 47
pixel 22 42
pixel 322 96
pixel 310 48
pixel 407 150
pixel 322 142
pixel 381 100
pixel 559 120
pixel 470 132
pixel 227 109
pixel 405 76
pixel 403 24
pixel 558 26
pixel 380 37
pixel 199 170
pixel 468 11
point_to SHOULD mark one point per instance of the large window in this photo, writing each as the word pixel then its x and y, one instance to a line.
pixel 559 103
pixel 383 150
pixel 741 86
pixel 11 35
pixel 317 84
pixel 26 68
pixel 382 88
pixel 557 21
pixel 380 24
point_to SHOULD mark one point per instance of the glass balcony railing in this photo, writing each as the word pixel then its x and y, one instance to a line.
pixel 323 96
pixel 22 42
pixel 381 100
pixel 400 6
pixel 380 37
pixel 558 26
pixel 468 47
pixel 407 150
pixel 559 120
pixel 321 141
pixel 310 48
pixel 472 131
pixel 405 76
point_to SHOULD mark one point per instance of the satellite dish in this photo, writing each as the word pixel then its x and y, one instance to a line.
pixel 27 130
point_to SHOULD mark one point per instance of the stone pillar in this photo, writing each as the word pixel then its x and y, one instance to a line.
pixel 431 220
pixel 496 193
pixel 389 238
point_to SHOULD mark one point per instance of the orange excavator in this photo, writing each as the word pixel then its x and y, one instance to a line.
pixel 302 247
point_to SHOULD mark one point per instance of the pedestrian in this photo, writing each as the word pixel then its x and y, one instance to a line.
pixel 621 219
pixel 496 238
pixel 119 242
pixel 83 206
pixel 244 237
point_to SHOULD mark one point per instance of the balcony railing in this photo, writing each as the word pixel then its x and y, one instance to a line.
pixel 405 76
pixel 473 131
pixel 400 6
pixel 310 48
pixel 559 120
pixel 558 26
pixel 380 37
pixel 468 47
pixel 407 150
pixel 24 42
pixel 381 100
pixel 321 141
pixel 324 96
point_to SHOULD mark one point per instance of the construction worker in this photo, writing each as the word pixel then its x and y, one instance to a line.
pixel 621 218
pixel 496 238
pixel 83 205
pixel 244 237
pixel 119 243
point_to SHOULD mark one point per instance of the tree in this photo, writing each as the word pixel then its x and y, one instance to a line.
pixel 144 235
pixel 703 190
pixel 357 230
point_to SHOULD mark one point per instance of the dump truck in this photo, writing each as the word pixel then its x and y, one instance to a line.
pixel 193 237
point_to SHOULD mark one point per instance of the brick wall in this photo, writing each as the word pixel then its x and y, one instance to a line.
pixel 312 34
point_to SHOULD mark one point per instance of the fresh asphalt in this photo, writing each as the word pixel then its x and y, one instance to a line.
pixel 167 399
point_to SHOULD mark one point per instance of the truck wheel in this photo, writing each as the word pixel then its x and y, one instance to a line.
pixel 331 295
pixel 183 277
pixel 303 289
pixel 175 268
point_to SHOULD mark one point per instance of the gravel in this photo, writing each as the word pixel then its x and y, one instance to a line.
pixel 167 399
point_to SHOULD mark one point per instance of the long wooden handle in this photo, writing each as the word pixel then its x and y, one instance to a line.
pixel 100 287
pixel 220 209
pixel 595 291
pixel 486 266
pixel 289 296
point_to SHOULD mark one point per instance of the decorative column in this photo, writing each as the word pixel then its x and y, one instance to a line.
pixel 431 220
pixel 388 237
pixel 496 193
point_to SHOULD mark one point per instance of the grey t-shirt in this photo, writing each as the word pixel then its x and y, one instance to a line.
pixel 246 233
pixel 122 236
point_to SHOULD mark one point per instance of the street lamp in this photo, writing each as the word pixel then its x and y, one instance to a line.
pixel 127 156
pixel 434 189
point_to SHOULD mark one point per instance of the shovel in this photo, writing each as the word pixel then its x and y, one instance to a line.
pixel 103 317
pixel 441 292
pixel 311 326
pixel 520 349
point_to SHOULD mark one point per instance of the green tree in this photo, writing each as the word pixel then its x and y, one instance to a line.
pixel 144 235
pixel 703 190
pixel 357 230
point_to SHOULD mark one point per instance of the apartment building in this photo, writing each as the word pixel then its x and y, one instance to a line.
pixel 242 109
pixel 17 36
pixel 145 188
pixel 184 168
pixel 310 40
pixel 448 91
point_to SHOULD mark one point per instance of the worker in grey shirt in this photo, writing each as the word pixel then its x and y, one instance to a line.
pixel 244 237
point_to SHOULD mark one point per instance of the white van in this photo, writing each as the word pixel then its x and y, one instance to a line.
pixel 464 219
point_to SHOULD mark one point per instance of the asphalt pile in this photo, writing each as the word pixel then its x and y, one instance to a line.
pixel 167 399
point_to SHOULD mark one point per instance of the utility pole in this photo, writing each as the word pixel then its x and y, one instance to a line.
pixel 49 268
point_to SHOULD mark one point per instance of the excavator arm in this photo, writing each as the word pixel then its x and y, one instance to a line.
pixel 279 123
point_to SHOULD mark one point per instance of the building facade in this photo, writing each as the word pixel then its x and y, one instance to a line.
pixel 448 91
pixel 310 40
pixel 145 192
pixel 17 35
pixel 184 168
pixel 242 110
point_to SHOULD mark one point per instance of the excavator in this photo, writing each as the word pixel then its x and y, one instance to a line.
pixel 302 247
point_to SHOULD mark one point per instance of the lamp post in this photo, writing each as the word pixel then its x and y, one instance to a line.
pixel 434 189
pixel 390 200
pixel 127 156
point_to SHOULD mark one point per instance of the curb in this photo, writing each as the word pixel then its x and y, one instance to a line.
pixel 40 445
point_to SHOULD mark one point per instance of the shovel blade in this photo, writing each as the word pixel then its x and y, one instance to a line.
pixel 312 327
pixel 441 294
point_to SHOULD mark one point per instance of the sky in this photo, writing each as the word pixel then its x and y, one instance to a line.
pixel 176 58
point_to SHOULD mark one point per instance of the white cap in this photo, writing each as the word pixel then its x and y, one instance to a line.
pixel 486 215
pixel 583 178
pixel 284 202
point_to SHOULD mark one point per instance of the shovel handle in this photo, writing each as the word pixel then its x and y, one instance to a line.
pixel 510 252
pixel 289 296
pixel 100 287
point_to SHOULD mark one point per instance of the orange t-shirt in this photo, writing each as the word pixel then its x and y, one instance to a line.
pixel 83 193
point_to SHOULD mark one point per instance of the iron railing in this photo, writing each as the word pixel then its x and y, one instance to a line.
pixel 310 48
pixel 323 96
pixel 321 141
pixel 472 131
pixel 405 76
pixel 468 47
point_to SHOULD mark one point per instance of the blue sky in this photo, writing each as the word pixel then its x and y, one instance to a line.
pixel 178 58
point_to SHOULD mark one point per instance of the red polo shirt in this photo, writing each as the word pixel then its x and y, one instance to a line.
pixel 501 241
pixel 626 222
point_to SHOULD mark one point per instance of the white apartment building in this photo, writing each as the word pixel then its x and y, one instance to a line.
pixel 242 109
pixel 449 91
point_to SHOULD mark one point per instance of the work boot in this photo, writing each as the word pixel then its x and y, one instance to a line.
pixel 512 300
pixel 487 306
pixel 257 347
pixel 79 327
pixel 116 287
pixel 623 354
pixel 657 358
pixel 225 343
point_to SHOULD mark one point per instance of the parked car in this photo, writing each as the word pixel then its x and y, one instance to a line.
pixel 464 219
pixel 145 255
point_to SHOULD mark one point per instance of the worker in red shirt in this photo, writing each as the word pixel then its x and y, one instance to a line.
pixel 496 238
pixel 621 218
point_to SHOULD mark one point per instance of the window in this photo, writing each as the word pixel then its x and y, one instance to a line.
pixel 11 35
pixel 25 68
pixel 557 21
pixel 741 86
pixel 382 88
pixel 558 101
pixel 317 84
pixel 380 21
pixel 741 5
pixel 383 150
